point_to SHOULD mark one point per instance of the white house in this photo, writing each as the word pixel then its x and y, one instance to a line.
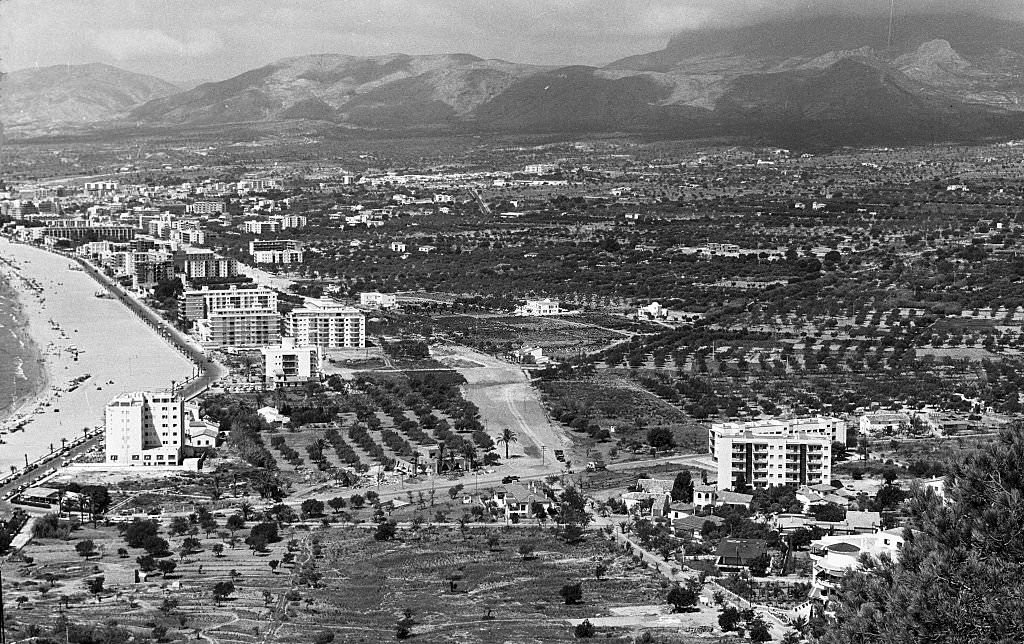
pixel 534 308
pixel 832 557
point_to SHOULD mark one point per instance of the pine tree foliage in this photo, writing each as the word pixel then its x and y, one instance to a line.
pixel 960 576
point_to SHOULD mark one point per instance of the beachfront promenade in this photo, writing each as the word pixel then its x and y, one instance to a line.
pixel 209 371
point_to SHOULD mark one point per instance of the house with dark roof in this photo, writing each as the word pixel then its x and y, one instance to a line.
pixel 735 555
pixel 691 526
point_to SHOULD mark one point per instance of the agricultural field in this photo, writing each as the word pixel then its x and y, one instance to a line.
pixel 444 584
pixel 612 401
pixel 561 338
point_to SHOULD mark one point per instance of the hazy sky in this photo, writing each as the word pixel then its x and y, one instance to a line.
pixel 215 39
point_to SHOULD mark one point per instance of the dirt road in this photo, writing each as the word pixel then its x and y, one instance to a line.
pixel 506 399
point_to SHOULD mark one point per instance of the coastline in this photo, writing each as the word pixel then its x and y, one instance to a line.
pixel 32 356
pixel 92 350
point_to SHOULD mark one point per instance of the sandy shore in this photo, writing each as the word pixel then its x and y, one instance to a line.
pixel 78 334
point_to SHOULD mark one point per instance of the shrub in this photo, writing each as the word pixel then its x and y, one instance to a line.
pixel 585 629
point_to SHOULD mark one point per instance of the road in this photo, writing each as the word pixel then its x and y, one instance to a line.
pixel 505 397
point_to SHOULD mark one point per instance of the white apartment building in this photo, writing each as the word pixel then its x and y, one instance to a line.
pixel 233 317
pixel 145 429
pixel 276 251
pixel 832 557
pixel 290 221
pixel 774 452
pixel 326 324
pixel 540 168
pixel 289 364
pixel 378 300
pixel 547 306
pixel 254 227
pixel 206 207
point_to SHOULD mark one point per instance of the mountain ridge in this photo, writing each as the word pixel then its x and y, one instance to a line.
pixel 946 77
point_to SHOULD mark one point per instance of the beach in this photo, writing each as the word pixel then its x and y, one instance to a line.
pixel 92 349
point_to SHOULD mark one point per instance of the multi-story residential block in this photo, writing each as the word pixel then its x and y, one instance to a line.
pixel 290 221
pixel 206 207
pixel 774 452
pixel 233 316
pixel 378 300
pixel 205 264
pixel 276 251
pixel 256 227
pixel 326 324
pixel 145 428
pixel 289 364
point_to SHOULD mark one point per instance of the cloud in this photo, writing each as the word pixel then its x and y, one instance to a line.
pixel 129 44
pixel 216 39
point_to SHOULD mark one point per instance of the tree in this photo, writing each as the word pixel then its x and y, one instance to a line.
pixel 572 593
pixel 758 629
pixel 85 548
pixel 526 550
pixel 759 565
pixel 682 487
pixel 829 512
pixel 356 501
pixel 312 507
pixel 235 522
pixel 507 438
pixel 273 563
pixel 958 574
pixel 222 590
pixel 95 586
pixel 217 549
pixel 385 530
pixel 337 503
pixel 729 618
pixel 660 438
pixel 684 597
pixel 166 566
pixel 838 450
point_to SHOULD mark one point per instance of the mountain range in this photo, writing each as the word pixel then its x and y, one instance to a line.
pixel 825 80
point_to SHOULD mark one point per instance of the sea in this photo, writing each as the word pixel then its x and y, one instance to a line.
pixel 22 373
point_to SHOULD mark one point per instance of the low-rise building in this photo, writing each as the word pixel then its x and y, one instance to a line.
pixel 377 300
pixel 833 557
pixel 547 306
pixel 517 501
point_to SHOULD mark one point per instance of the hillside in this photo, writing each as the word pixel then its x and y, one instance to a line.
pixel 54 99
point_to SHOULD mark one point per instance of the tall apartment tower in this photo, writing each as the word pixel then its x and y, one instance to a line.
pixel 326 324
pixel 774 452
pixel 145 429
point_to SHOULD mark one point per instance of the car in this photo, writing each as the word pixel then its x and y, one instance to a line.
pixel 509 479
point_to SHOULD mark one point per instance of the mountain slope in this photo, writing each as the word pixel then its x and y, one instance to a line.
pixel 34 101
pixel 382 91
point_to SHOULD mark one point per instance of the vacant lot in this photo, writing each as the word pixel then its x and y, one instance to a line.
pixel 461 586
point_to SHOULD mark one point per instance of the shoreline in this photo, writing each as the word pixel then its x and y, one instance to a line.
pixel 92 350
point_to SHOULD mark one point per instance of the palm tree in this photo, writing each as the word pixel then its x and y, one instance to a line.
pixel 469 451
pixel 245 508
pixel 507 436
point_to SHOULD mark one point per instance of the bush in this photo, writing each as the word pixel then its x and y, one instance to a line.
pixel 323 637
pixel 585 629
pixel 572 593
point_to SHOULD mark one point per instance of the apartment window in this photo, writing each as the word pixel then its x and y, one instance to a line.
pixel 147 457
pixel 113 457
